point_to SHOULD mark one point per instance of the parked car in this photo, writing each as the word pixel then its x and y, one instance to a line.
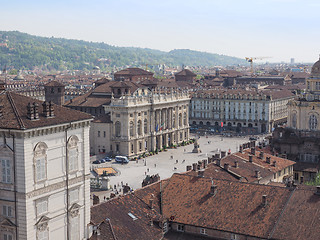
pixel 96 162
pixel 253 138
pixel 103 160
pixel 108 159
pixel 121 159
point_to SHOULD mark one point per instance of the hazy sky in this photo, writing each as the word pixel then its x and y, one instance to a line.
pixel 280 29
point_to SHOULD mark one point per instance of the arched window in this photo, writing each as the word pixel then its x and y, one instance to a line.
pixel 313 122
pixel 131 128
pixel 73 153
pixel 118 129
pixel 294 120
pixel 40 161
pixel 180 120
pixel 185 118
pixel 173 121
pixel 145 126
pixel 139 126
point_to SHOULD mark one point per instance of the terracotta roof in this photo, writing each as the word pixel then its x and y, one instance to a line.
pixel 306 167
pixel 236 207
pixel 300 219
pixel 15 113
pixel 186 72
pixel 133 71
pixel 105 118
pixel 281 163
pixel 129 218
pixel 54 84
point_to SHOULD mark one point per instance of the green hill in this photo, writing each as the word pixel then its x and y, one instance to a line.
pixel 23 51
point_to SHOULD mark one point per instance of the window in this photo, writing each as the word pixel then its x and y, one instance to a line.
pixel 145 126
pixel 43 235
pixel 203 231
pixel 42 206
pixel 294 120
pixel 180 228
pixel 117 115
pixel 180 120
pixel 98 133
pixel 131 129
pixel 140 146
pixel 73 153
pixel 185 119
pixel 7 211
pixel 234 236
pixel 118 129
pixel 313 122
pixel 139 127
pixel 104 134
pixel 73 195
pixel 6 170
pixel 7 236
pixel 40 161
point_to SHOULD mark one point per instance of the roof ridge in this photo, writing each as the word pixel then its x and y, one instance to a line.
pixel 279 217
pixel 15 110
pixel 111 227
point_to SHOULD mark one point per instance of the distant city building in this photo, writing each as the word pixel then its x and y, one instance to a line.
pixel 301 139
pixel 54 91
pixel 240 110
pixel 292 61
pixel 44 155
pixel 185 75
pixel 133 74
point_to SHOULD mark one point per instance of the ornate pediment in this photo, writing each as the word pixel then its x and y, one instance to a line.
pixel 42 223
pixel 7 223
pixel 74 209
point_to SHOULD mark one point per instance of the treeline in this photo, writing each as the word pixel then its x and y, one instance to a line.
pixel 23 51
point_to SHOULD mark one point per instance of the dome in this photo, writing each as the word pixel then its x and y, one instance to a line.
pixel 315 70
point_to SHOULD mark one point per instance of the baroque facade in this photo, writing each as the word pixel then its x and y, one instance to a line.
pixel 300 140
pixel 149 120
pixel 246 111
pixel 44 155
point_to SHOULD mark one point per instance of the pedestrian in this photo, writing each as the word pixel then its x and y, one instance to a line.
pixel 104 198
pixel 145 173
pixel 184 150
pixel 183 161
pixel 155 165
pixel 147 169
pixel 171 156
pixel 177 161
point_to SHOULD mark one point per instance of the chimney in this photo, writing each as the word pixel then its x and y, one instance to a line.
pixel 45 107
pixel 210 159
pixel 218 161
pixel 217 155
pixel 268 160
pixel 51 109
pixel 205 163
pixel 301 179
pixel 200 163
pixel 198 167
pixel 194 166
pixel 201 173
pixel 223 154
pixel 213 189
pixel 258 174
pixel 250 158
pixel 226 166
pixel 30 111
pixel 151 203
pixel 253 151
pixel 236 164
pixel 253 144
pixel 284 155
pixel 240 148
pixel 36 110
pixel 264 200
pixel 318 191
pixel 261 155
pixel 189 168
pixel 274 163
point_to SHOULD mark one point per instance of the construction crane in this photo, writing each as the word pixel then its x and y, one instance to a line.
pixel 250 60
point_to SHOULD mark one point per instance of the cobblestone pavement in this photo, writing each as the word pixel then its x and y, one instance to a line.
pixel 172 161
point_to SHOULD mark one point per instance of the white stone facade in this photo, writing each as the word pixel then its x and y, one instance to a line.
pixel 45 201
pixel 247 113
pixel 143 121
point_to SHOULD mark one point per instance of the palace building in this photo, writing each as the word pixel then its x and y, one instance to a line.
pixel 44 175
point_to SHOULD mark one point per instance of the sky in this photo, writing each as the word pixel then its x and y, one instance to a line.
pixel 275 30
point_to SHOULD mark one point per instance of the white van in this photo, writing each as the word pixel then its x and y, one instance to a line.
pixel 121 159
